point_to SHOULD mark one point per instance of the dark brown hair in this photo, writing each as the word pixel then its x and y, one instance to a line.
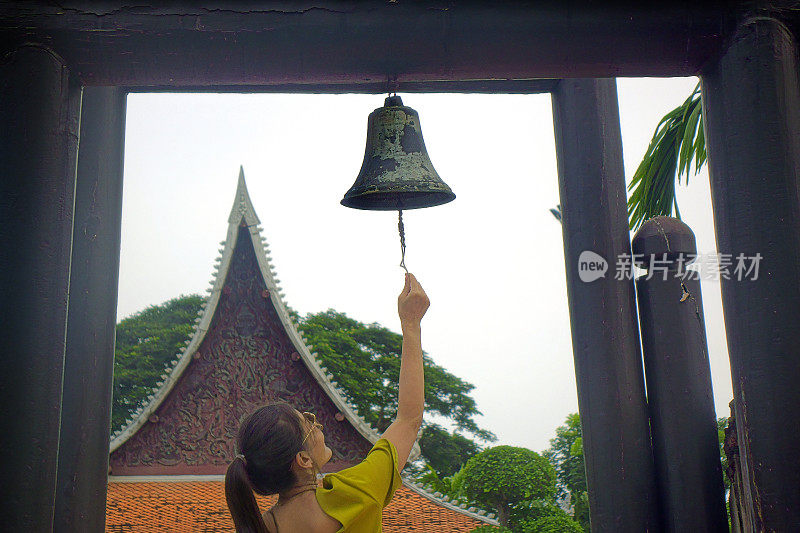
pixel 269 439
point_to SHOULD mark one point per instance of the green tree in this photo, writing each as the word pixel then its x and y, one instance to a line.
pixel 526 516
pixel 146 342
pixel 566 454
pixel 504 477
pixel 557 522
pixel 446 452
pixel 722 423
pixel 430 478
pixel 365 360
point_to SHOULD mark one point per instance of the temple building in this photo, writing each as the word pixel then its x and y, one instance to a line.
pixel 167 464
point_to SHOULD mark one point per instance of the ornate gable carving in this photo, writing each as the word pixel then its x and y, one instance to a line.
pixel 246 359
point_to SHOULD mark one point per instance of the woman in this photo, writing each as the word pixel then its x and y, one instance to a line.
pixel 282 450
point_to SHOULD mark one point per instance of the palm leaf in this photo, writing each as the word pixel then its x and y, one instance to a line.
pixel 687 143
pixel 556 211
pixel 678 142
pixel 699 146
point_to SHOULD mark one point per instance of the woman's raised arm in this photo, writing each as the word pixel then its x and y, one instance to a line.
pixel 411 306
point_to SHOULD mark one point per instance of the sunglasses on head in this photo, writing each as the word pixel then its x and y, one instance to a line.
pixel 312 419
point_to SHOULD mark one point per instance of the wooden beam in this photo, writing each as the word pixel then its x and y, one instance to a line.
pixel 602 309
pixel 680 400
pixel 531 86
pixel 751 112
pixel 39 107
pixel 336 42
pixel 89 360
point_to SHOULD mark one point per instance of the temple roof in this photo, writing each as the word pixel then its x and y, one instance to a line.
pixel 167 506
pixel 243 215
pixel 246 350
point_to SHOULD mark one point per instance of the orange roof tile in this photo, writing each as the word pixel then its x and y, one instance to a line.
pixel 184 506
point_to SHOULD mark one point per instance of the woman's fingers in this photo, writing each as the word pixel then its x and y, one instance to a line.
pixel 406 290
pixel 415 286
pixel 412 285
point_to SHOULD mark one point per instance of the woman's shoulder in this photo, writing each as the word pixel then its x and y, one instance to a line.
pixel 379 464
pixel 356 496
pixel 382 453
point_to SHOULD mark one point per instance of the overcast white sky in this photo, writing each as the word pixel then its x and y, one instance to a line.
pixel 491 261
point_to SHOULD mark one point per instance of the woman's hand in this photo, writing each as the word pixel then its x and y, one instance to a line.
pixel 412 302
pixel 411 306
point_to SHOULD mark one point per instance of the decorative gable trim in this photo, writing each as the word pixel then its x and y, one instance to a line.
pixel 243 215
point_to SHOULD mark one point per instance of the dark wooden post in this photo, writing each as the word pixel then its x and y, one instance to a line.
pixel 605 333
pixel 679 395
pixel 89 361
pixel 39 107
pixel 751 112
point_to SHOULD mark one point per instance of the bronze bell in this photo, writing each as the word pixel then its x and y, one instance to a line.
pixel 397 173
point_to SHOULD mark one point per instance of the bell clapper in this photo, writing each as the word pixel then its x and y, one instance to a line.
pixel 401 228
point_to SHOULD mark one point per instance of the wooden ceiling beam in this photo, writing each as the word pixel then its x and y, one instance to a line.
pixel 532 86
pixel 337 44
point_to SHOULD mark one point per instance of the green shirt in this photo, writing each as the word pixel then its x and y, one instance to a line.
pixel 357 495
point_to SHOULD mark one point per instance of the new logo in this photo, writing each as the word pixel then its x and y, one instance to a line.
pixel 591 266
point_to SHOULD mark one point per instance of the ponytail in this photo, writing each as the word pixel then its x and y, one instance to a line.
pixel 268 440
pixel 241 500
